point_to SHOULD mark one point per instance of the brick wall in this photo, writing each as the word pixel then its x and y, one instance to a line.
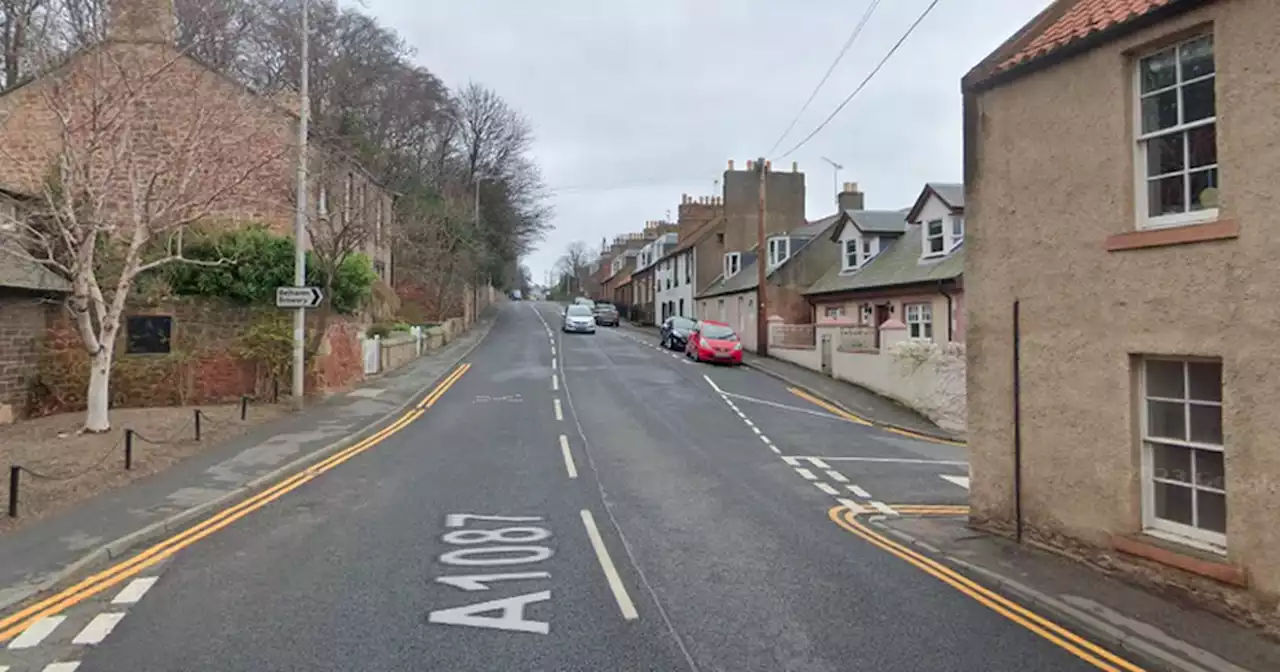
pixel 22 322
pixel 206 362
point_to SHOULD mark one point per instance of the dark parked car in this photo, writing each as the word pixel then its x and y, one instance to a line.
pixel 606 314
pixel 675 332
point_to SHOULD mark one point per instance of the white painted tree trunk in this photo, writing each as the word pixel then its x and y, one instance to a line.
pixel 99 396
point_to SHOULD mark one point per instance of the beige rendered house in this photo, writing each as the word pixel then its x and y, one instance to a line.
pixel 1120 159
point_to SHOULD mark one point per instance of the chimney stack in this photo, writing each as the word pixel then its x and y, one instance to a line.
pixel 850 198
pixel 142 21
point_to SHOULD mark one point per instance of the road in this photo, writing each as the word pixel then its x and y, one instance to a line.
pixel 575 502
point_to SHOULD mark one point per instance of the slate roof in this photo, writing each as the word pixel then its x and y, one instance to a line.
pixel 746 279
pixel 952 195
pixel 19 273
pixel 899 265
pixel 875 221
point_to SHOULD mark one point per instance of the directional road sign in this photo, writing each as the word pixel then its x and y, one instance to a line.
pixel 298 297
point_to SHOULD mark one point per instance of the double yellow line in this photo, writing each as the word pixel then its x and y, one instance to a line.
pixel 12 625
pixel 931 509
pixel 1077 645
pixel 836 410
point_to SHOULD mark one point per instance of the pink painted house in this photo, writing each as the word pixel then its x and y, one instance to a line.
pixel 902 265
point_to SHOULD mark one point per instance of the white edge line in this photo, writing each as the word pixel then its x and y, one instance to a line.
pixel 883 508
pixel 625 604
pixel 36 632
pixel 58 667
pixel 569 466
pixel 902 460
pixel 791 461
pixel 98 628
pixel 135 590
pixel 853 506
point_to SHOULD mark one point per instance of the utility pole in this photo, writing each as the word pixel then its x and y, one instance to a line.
pixel 762 260
pixel 300 220
pixel 835 179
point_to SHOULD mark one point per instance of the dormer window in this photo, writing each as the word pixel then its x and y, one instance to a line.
pixel 849 260
pixel 858 251
pixel 957 231
pixel 779 250
pixel 934 239
pixel 732 264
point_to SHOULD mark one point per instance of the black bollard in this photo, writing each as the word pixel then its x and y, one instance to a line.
pixel 128 449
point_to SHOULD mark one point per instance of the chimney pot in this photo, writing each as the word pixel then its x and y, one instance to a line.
pixel 795 167
pixel 730 164
pixel 751 165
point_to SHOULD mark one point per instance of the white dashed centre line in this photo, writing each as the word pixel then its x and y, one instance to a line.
pixel 62 667
pixel 555 382
pixel 559 411
pixel 98 628
pixel 853 506
pixel 569 466
pixel 36 633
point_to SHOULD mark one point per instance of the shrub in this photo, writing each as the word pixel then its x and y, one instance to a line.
pixel 259 262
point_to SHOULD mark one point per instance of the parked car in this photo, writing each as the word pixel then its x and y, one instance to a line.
pixel 584 301
pixel 606 314
pixel 675 332
pixel 714 342
pixel 578 318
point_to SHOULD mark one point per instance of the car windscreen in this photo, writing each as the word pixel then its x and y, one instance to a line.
pixel 579 311
pixel 718 332
pixel 682 324
pixel 605 306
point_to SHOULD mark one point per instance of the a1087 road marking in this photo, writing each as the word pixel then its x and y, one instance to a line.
pixel 488 546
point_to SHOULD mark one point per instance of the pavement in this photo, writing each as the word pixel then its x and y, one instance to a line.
pixel 37 556
pixel 574 502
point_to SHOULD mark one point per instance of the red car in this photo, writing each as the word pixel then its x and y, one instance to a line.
pixel 714 342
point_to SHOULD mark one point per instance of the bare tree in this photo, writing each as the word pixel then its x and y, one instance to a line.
pixel 573 264
pixel 142 149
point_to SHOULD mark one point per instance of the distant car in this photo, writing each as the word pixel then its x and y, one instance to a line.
pixel 675 332
pixel 578 318
pixel 606 314
pixel 714 342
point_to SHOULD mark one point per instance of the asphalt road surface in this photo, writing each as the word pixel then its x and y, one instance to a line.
pixel 583 502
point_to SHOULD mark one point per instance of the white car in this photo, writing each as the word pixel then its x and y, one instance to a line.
pixel 578 318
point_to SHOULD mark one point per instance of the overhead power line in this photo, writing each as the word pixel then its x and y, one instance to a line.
pixel 857 30
pixel 863 85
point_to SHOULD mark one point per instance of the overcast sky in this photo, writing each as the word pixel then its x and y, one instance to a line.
pixel 635 102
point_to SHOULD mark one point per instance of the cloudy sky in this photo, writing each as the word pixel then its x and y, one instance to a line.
pixel 635 102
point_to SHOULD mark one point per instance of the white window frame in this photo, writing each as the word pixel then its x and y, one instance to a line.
pixel 927 237
pixel 833 312
pixel 1188 535
pixel 846 254
pixel 779 251
pixel 1141 194
pixel 732 264
pixel 956 232
pixel 688 268
pixel 919 320
pixel 867 314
